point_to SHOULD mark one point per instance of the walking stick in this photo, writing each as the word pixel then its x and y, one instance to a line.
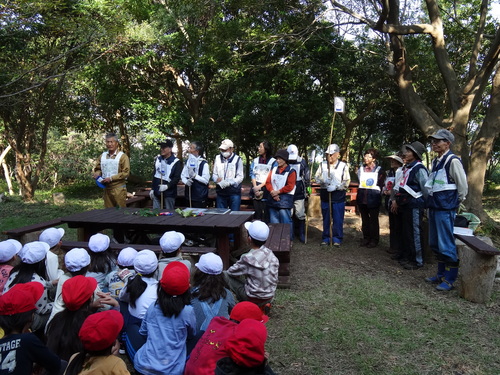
pixel 330 241
pixel 161 192
pixel 313 156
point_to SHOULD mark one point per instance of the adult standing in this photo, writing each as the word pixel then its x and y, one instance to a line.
pixel 371 181
pixel 302 183
pixel 393 174
pixel 281 187
pixel 333 176
pixel 228 175
pixel 259 170
pixel 409 203
pixel 166 176
pixel 196 175
pixel 447 186
pixel 112 170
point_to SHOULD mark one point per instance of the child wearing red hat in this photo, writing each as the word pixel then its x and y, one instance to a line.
pixel 98 335
pixel 168 324
pixel 245 349
pixel 78 296
pixel 211 346
pixel 20 349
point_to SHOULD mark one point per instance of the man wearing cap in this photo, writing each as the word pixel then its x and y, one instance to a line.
pixel 281 187
pixel 112 170
pixel 299 197
pixel 259 267
pixel 165 178
pixel 333 176
pixel 195 175
pixel 447 187
pixel 228 175
pixel 409 203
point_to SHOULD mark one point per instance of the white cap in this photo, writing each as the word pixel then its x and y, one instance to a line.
pixel 16 243
pixel 332 149
pixel 293 152
pixel 210 263
pixel 145 262
pixel 76 259
pixel 171 241
pixel 34 252
pixel 7 251
pixel 126 257
pixel 52 236
pixel 258 230
pixel 226 143
pixel 99 242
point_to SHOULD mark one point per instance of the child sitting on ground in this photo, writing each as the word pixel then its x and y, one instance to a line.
pixel 168 324
pixel 170 244
pixel 8 259
pixel 20 349
pixel 52 237
pixel 116 280
pixel 98 335
pixel 211 346
pixel 259 267
pixel 102 261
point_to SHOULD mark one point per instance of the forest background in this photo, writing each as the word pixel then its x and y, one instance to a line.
pixel 72 70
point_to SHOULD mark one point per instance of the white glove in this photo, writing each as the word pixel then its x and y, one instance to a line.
pixel 189 182
pixel 151 194
pixel 223 184
pixel 163 187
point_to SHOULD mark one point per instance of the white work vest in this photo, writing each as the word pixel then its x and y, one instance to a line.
pixel 163 169
pixel 110 167
pixel 261 171
pixel 297 167
pixel 403 182
pixel 438 180
pixel 336 174
pixel 278 181
pixel 368 180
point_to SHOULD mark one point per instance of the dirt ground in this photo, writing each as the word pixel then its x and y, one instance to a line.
pixel 361 260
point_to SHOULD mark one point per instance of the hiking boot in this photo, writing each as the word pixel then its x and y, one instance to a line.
pixel 450 276
pixel 439 276
pixel 336 244
pixel 412 266
pixel 324 243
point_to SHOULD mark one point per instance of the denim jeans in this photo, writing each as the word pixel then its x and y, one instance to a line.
pixel 281 215
pixel 230 201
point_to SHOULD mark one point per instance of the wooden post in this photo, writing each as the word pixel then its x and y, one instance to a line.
pixel 476 273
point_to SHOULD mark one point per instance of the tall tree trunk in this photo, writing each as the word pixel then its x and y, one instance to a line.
pixel 481 150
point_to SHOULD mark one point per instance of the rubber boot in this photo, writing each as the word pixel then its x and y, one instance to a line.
pixel 301 225
pixel 450 276
pixel 439 276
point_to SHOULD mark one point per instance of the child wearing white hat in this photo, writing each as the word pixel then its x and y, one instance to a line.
pixel 8 259
pixel 102 261
pixel 52 236
pixel 170 244
pixel 32 268
pixel 116 280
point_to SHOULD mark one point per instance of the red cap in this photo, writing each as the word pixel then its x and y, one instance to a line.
pixel 100 330
pixel 21 298
pixel 78 290
pixel 247 310
pixel 246 346
pixel 175 279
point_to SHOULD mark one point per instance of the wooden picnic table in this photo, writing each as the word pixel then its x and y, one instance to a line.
pixel 222 226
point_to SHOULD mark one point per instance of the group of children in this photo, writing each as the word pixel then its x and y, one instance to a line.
pixel 168 316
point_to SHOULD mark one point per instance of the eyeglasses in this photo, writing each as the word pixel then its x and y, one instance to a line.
pixel 434 140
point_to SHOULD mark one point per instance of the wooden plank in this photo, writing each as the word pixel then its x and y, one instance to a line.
pixel 477 245
pixel 16 233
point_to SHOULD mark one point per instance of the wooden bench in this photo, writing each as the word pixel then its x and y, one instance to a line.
pixel 478 264
pixel 31 232
pixel 116 247
pixel 279 242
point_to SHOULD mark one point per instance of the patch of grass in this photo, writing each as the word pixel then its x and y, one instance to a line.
pixel 367 325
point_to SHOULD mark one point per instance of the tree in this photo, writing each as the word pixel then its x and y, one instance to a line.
pixel 468 67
